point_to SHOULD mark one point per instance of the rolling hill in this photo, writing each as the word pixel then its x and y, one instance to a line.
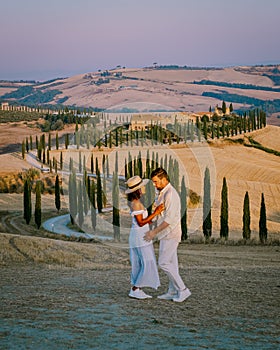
pixel 160 88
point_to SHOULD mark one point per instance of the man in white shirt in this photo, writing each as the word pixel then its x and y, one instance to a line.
pixel 168 231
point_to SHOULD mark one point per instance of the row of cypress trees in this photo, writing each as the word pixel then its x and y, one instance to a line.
pixel 134 166
pixel 27 200
pixel 117 135
pixel 224 227
pixel 96 193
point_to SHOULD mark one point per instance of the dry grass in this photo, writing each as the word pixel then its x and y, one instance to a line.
pixel 245 169
pixel 170 88
pixel 22 249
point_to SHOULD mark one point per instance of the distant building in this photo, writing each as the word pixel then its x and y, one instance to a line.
pixel 219 111
pixel 144 121
pixel 4 106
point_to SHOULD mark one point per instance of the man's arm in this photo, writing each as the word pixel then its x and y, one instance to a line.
pixel 150 235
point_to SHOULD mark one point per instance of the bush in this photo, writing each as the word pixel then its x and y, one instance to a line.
pixel 14 183
pixel 194 198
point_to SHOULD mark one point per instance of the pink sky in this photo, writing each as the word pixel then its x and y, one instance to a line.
pixel 57 38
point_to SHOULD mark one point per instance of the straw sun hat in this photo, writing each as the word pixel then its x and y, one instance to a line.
pixel 134 183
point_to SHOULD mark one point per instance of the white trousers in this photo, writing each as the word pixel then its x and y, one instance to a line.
pixel 168 262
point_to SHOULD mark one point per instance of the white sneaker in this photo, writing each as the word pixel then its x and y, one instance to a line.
pixel 182 295
pixel 138 294
pixel 167 296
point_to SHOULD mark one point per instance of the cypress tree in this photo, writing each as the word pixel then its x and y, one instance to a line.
pixel 55 164
pixel 184 228
pixel 78 139
pixel 93 205
pixel 212 131
pixel 246 217
pixel 227 130
pixel 116 163
pixel 224 211
pixel 165 161
pixel 156 161
pixel 223 129
pixel 176 175
pixel 38 211
pixel 148 167
pixel 26 145
pixel 84 192
pixel 43 141
pixel 205 128
pixel 57 193
pixel 218 131
pixel 135 168
pixel 80 204
pixel 50 142
pixel 129 166
pixel 80 162
pixel 110 139
pixel 91 164
pixel 31 143
pixel 71 165
pixel 104 190
pixel 170 169
pixel 125 169
pixel 117 137
pixel 107 166
pixel 56 141
pixel 116 210
pixel 192 131
pixel 27 206
pixel 61 161
pixel 207 220
pixel 66 141
pixel 198 131
pixel 96 165
pixel 103 164
pixel 139 164
pixel 99 192
pixel 235 126
pixel 23 150
pixel 73 196
pixel 262 222
pixel 224 107
pixel 48 156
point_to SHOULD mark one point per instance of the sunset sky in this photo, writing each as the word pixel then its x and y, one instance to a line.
pixel 45 39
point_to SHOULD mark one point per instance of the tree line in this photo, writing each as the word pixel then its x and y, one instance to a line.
pixel 87 196
pixel 224 213
pixel 114 135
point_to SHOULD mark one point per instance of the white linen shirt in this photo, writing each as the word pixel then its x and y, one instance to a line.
pixel 172 213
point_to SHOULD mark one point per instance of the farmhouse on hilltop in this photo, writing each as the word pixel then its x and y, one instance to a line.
pixel 144 121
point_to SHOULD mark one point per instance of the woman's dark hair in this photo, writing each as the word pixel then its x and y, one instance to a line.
pixel 160 173
pixel 134 195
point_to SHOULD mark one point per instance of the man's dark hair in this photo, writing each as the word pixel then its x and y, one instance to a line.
pixel 160 173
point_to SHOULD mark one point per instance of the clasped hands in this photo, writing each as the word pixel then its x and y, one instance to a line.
pixel 150 235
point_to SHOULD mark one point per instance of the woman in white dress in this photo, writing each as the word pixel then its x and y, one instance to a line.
pixel 144 271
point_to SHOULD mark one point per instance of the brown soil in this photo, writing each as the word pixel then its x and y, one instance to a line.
pixel 73 295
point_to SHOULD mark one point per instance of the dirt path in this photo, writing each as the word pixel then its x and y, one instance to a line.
pixel 76 298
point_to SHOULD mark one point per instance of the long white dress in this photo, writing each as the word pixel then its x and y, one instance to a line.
pixel 144 271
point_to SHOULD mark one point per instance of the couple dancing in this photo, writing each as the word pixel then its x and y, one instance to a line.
pixel 168 230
